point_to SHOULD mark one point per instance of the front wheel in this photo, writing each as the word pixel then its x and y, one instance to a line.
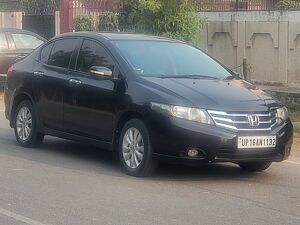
pixel 25 125
pixel 135 150
pixel 255 166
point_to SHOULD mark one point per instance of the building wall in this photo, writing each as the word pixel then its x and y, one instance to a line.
pixel 268 41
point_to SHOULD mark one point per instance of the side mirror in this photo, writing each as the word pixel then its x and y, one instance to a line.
pixel 102 71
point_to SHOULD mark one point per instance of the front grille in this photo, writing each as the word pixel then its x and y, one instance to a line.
pixel 240 120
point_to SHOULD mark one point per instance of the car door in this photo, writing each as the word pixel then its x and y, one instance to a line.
pixel 7 55
pixel 51 77
pixel 90 100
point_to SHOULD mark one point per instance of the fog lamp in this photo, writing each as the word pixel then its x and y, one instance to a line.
pixel 192 152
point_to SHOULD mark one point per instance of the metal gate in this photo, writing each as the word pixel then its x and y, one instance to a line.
pixel 44 25
pixel 69 9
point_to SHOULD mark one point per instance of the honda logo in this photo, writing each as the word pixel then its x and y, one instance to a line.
pixel 253 120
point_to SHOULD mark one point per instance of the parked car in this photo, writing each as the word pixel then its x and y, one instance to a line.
pixel 148 99
pixel 16 44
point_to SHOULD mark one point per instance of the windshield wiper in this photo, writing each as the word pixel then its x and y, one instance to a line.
pixel 190 76
pixel 232 77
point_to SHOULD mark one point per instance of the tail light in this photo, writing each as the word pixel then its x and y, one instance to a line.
pixel 9 71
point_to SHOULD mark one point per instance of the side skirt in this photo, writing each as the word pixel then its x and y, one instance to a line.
pixel 73 137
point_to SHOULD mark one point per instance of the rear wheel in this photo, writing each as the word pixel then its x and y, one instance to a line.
pixel 25 125
pixel 255 166
pixel 135 151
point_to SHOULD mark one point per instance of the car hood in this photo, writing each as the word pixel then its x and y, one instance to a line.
pixel 233 95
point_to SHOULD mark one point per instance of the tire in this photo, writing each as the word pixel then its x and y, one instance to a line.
pixel 136 157
pixel 255 166
pixel 30 137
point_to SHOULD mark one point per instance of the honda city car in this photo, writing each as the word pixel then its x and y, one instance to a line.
pixel 147 99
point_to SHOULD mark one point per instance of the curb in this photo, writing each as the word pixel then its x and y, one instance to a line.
pixel 288 98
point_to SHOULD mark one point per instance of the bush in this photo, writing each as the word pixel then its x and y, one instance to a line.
pixel 108 21
pixel 83 23
pixel 288 4
pixel 177 19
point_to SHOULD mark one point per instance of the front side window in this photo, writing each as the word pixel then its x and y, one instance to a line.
pixel 163 58
pixel 93 54
pixel 3 41
pixel 61 52
pixel 26 41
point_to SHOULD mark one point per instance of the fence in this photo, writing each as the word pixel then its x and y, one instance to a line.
pixel 11 20
pixel 245 5
pixel 72 8
pixel 265 46
pixel 44 25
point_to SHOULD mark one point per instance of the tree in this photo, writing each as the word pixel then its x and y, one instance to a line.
pixel 9 5
pixel 288 4
pixel 170 18
pixel 39 7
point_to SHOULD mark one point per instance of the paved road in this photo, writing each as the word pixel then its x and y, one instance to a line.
pixel 65 183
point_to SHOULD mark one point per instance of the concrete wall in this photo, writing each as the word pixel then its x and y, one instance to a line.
pixel 11 20
pixel 269 41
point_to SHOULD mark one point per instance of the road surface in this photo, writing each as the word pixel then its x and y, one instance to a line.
pixel 67 183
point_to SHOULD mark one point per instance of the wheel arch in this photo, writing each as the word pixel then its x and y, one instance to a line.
pixel 122 120
pixel 22 96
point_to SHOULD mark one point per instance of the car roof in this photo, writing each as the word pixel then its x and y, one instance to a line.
pixel 120 36
pixel 15 30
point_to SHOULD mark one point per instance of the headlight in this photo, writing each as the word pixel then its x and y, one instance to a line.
pixel 281 115
pixel 194 114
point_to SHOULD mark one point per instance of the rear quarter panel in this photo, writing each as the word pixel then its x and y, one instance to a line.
pixel 20 82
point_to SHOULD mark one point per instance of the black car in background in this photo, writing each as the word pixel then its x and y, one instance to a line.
pixel 148 99
pixel 16 44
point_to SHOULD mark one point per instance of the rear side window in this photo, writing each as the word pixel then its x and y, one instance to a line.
pixel 93 54
pixel 26 41
pixel 3 41
pixel 45 53
pixel 61 53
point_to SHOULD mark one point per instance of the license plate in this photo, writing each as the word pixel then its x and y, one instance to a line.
pixel 256 142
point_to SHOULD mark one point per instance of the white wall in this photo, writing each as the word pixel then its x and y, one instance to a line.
pixel 269 41
pixel 11 20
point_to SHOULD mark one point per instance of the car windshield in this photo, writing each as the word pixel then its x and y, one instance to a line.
pixel 170 60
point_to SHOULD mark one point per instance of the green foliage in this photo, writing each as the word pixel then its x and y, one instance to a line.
pixel 39 7
pixel 9 6
pixel 83 23
pixel 288 4
pixel 177 19
pixel 108 21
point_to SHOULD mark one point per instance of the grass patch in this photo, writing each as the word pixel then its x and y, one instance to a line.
pixel 297 131
pixel 295 115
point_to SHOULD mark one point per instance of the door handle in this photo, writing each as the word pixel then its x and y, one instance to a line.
pixel 75 82
pixel 21 56
pixel 38 74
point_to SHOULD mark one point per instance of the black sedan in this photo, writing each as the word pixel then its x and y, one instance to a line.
pixel 148 99
pixel 16 44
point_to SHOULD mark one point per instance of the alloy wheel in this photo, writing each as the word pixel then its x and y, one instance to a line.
pixel 133 148
pixel 24 123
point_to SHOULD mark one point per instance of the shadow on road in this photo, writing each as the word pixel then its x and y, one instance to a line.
pixel 98 156
pixel 77 156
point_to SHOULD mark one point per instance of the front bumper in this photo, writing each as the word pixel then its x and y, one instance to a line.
pixel 172 137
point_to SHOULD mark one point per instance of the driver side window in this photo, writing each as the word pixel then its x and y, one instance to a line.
pixel 93 54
